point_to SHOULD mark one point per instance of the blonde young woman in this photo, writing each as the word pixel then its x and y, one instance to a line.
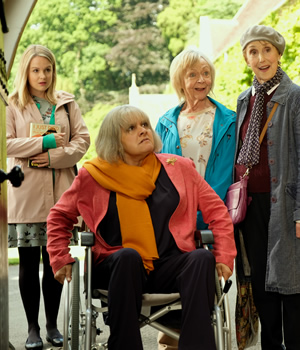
pixel 35 100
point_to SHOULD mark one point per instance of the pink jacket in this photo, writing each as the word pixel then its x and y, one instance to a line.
pixel 88 199
pixel 32 201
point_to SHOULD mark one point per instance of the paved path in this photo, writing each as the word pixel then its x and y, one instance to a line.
pixel 18 324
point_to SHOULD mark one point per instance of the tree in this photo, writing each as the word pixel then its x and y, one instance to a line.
pixel 179 22
pixel 138 45
pixel 233 76
pixel 99 43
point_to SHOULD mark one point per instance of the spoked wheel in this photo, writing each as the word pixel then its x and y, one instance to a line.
pixel 227 323
pixel 221 319
pixel 72 327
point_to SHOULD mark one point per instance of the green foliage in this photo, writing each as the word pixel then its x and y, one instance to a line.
pixel 93 120
pixel 233 75
pixel 100 43
pixel 137 44
pixel 179 21
pixel 13 261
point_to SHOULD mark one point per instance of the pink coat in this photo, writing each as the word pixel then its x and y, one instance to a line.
pixel 32 201
pixel 88 199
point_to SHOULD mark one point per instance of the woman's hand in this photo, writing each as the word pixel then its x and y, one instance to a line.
pixel 59 139
pixel 223 271
pixel 64 273
pixel 298 229
pixel 41 160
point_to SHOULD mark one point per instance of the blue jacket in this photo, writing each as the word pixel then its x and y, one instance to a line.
pixel 220 163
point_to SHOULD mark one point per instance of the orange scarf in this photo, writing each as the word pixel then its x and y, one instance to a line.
pixel 132 184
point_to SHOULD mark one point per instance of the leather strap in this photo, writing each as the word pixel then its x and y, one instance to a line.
pixel 267 122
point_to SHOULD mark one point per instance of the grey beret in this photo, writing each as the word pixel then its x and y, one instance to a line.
pixel 259 32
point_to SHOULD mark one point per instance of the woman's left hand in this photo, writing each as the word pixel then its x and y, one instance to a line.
pixel 64 273
pixel 41 159
pixel 298 229
pixel 223 271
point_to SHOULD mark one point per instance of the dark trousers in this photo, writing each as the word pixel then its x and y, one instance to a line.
pixel 279 314
pixel 190 274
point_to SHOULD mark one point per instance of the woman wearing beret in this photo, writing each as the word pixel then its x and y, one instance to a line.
pixel 271 229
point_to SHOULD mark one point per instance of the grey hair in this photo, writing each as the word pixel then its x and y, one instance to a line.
pixel 108 142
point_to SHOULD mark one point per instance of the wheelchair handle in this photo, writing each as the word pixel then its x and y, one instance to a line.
pixel 226 288
pixel 87 239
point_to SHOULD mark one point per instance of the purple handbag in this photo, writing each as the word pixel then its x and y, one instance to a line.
pixel 237 199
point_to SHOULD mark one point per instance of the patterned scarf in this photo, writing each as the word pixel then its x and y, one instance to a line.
pixel 250 151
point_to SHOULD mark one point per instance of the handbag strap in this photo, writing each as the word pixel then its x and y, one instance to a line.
pixel 68 114
pixel 263 133
pixel 267 122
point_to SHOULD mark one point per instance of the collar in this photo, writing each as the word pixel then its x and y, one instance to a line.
pixel 268 92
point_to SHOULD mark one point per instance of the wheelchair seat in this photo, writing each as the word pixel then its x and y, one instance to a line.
pixel 80 329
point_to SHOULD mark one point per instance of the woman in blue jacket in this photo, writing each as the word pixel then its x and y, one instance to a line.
pixel 199 128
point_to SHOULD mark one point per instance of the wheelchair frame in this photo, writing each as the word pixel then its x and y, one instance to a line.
pixel 80 329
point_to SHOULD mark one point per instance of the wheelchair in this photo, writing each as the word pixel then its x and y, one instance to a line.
pixel 80 316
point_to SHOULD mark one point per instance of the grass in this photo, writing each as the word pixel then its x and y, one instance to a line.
pixel 13 261
pixel 13 255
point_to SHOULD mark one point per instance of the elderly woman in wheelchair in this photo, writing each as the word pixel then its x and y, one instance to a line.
pixel 142 207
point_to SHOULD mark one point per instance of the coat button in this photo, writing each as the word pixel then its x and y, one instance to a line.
pixel 270 142
pixel 177 147
pixel 274 180
pixel 274 200
pixel 271 161
pixel 270 104
pixel 270 124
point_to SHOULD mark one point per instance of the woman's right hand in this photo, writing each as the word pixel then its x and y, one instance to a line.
pixel 59 139
pixel 64 273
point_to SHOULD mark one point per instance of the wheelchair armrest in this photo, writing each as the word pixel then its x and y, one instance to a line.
pixel 203 237
pixel 87 239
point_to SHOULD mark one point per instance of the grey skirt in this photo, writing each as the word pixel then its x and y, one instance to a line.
pixel 32 235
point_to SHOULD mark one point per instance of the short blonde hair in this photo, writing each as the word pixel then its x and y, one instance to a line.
pixel 181 63
pixel 21 95
pixel 108 142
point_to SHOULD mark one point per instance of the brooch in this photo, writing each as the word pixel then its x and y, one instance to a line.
pixel 171 160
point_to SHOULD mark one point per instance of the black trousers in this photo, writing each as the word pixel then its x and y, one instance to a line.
pixel 279 313
pixel 190 274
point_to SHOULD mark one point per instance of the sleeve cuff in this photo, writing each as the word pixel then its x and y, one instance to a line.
pixel 49 141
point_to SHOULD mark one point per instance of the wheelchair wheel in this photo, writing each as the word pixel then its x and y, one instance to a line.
pixel 71 310
pixel 221 319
